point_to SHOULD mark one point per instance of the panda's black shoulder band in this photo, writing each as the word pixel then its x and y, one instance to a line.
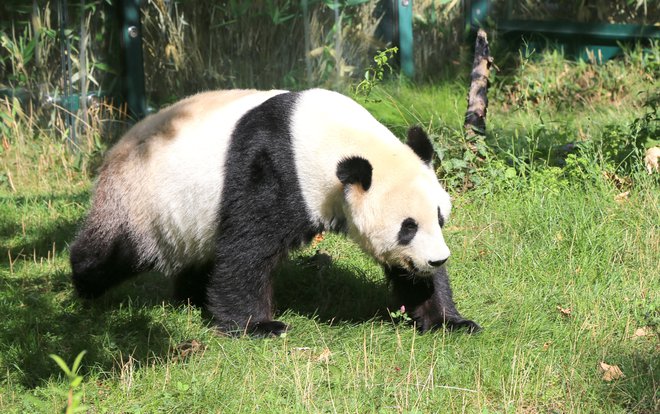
pixel 355 170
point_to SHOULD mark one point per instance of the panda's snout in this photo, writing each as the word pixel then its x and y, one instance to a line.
pixel 437 263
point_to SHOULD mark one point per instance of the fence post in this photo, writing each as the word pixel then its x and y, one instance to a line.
pixel 133 70
pixel 406 38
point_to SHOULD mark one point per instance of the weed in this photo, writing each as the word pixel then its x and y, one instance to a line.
pixel 375 73
pixel 73 395
pixel 400 315
pixel 623 146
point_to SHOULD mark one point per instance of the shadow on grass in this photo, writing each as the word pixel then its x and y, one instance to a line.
pixel 638 391
pixel 54 237
pixel 38 241
pixel 544 144
pixel 42 316
pixel 329 292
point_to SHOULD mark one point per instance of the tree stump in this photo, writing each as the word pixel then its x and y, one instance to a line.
pixel 475 116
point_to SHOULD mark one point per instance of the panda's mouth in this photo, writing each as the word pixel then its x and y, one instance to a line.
pixel 409 265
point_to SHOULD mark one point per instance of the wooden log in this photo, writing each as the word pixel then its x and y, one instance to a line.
pixel 475 116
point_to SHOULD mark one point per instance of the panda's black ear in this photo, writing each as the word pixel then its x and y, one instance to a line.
pixel 355 170
pixel 420 143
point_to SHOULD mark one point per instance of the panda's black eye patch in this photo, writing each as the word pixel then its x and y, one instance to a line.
pixel 441 220
pixel 407 232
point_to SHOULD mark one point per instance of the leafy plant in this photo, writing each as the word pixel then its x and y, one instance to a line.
pixel 400 315
pixel 623 145
pixel 375 73
pixel 74 395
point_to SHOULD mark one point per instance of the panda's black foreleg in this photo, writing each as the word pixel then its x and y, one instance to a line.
pixel 263 215
pixel 240 289
pixel 428 300
pixel 241 301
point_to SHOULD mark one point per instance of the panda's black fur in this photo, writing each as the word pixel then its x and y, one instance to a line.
pixel 262 215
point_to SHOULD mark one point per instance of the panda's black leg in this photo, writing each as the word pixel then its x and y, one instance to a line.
pixel 241 301
pixel 262 215
pixel 428 300
pixel 240 289
pixel 100 261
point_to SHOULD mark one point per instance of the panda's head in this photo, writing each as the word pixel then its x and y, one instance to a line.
pixel 396 207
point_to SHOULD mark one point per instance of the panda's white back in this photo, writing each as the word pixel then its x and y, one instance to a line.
pixel 173 166
pixel 176 181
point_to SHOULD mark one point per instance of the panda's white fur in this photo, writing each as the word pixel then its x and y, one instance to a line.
pixel 402 185
pixel 174 215
pixel 159 200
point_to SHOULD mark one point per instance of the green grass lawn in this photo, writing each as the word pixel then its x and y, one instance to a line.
pixel 559 272
pixel 517 258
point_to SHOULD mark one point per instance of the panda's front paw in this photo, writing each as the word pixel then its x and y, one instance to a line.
pixel 264 329
pixel 268 329
pixel 425 325
pixel 471 327
pixel 430 315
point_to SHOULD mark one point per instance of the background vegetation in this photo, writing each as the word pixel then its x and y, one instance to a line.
pixel 555 233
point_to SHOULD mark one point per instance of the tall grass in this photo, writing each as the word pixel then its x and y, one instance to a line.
pixel 617 11
pixel 193 46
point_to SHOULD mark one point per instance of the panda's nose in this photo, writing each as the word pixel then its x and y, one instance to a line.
pixel 437 263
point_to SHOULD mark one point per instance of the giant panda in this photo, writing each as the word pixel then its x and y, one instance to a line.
pixel 217 188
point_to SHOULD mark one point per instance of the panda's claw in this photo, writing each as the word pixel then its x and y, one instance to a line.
pixel 426 325
pixel 470 326
pixel 268 329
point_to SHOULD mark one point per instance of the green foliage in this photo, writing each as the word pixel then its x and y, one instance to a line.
pixel 375 73
pixel 517 253
pixel 540 146
pixel 623 145
pixel 551 82
pixel 400 315
pixel 33 40
pixel 19 54
pixel 596 11
pixel 74 394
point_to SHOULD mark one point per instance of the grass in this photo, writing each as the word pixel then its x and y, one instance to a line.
pixel 559 271
pixel 516 258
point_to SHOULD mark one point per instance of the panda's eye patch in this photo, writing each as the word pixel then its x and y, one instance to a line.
pixel 441 220
pixel 407 232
